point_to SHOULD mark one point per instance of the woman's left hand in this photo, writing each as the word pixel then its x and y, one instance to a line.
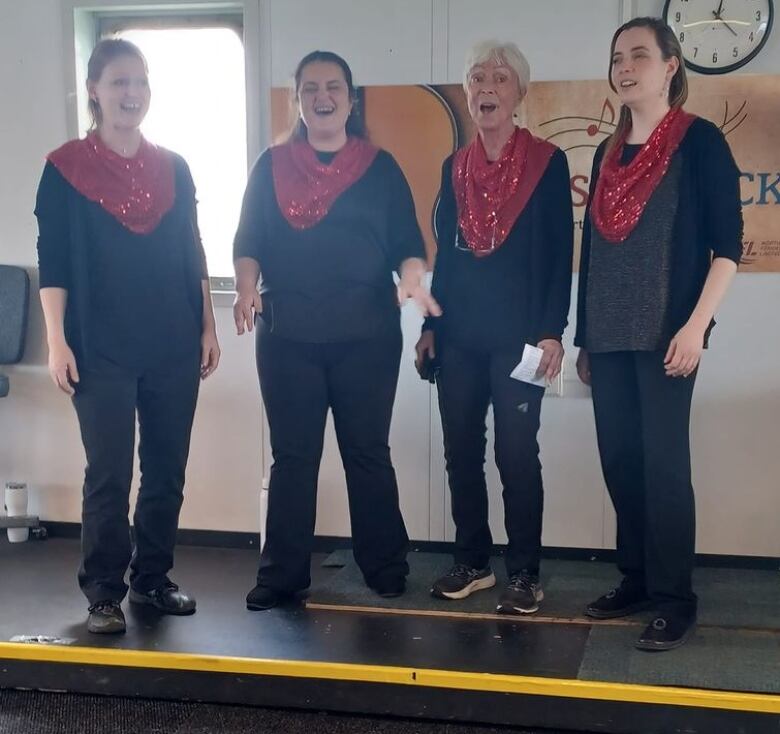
pixel 684 352
pixel 209 353
pixel 552 358
pixel 412 287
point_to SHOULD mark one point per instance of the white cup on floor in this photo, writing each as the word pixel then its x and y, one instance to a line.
pixel 16 506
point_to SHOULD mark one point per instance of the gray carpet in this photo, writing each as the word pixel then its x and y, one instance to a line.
pixel 736 648
pixel 568 586
pixel 736 598
pixel 714 658
pixel 26 712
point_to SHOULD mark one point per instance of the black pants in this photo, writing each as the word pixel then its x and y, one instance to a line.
pixel 299 382
pixel 642 424
pixel 107 399
pixel 468 381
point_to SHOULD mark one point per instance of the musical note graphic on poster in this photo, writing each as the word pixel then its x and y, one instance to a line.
pixel 728 122
pixel 603 126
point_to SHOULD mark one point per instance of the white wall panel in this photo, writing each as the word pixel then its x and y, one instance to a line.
pixel 565 39
pixel 383 42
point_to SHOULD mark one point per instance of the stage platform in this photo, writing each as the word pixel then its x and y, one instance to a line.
pixel 349 651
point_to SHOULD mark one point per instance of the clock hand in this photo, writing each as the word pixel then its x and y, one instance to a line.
pixel 719 10
pixel 717 17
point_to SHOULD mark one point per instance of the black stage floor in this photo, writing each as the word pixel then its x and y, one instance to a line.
pixel 551 672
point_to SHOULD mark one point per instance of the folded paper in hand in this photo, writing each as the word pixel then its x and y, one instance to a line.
pixel 526 369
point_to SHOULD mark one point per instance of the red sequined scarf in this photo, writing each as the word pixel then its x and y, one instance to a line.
pixel 137 191
pixel 305 187
pixel 622 192
pixel 491 196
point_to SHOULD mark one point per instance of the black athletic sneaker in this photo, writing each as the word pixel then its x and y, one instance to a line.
pixel 106 618
pixel 462 580
pixel 667 632
pixel 522 595
pixel 628 598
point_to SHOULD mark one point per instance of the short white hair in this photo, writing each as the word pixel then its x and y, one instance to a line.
pixel 504 53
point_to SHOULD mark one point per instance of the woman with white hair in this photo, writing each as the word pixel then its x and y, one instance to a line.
pixel 503 279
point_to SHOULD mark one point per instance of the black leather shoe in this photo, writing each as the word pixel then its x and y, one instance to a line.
pixel 666 633
pixel 166 598
pixel 106 618
pixel 628 598
pixel 389 587
pixel 263 597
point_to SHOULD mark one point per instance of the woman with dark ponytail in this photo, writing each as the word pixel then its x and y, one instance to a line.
pixel 661 244
pixel 327 218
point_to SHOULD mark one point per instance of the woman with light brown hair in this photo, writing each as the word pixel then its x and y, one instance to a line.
pixel 661 244
pixel 130 330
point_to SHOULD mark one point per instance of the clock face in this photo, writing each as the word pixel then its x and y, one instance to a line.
pixel 718 36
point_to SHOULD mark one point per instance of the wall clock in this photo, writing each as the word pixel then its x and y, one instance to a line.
pixel 718 36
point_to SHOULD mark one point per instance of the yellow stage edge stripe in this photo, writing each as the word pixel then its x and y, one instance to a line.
pixel 457 680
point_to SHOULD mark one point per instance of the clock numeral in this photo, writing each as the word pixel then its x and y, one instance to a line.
pixel 751 37
pixel 758 15
pixel 735 52
pixel 677 16
pixel 715 58
pixel 682 37
pixel 695 51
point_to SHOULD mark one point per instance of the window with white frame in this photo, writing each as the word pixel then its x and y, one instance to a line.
pixel 198 109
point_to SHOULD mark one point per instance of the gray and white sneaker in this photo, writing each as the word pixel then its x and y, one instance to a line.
pixel 522 595
pixel 462 581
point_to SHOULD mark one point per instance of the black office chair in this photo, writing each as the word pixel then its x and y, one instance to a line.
pixel 14 309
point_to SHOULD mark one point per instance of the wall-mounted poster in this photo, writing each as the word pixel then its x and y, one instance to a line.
pixel 422 125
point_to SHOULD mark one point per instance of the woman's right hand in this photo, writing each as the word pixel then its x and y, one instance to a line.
pixel 245 307
pixel 62 366
pixel 425 346
pixel 583 366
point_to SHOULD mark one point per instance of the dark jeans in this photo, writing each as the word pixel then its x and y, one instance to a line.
pixel 357 381
pixel 642 424
pixel 468 381
pixel 107 399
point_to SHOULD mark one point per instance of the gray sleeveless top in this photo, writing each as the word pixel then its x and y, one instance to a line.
pixel 628 283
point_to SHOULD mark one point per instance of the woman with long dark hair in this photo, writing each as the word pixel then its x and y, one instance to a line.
pixel 327 218
pixel 661 244
pixel 130 329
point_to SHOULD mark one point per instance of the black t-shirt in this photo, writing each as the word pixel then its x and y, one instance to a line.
pixel 333 281
pixel 133 299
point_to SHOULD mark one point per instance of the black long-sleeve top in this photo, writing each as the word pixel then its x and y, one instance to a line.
pixel 518 294
pixel 333 281
pixel 708 223
pixel 134 299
